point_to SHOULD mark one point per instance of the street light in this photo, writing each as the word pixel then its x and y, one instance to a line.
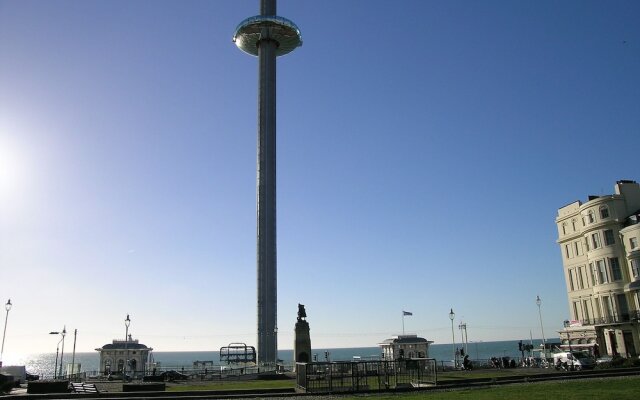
pixel 452 315
pixel 63 333
pixel 55 368
pixel 464 337
pixel 73 358
pixel 476 343
pixel 544 344
pixel 127 322
pixel 6 307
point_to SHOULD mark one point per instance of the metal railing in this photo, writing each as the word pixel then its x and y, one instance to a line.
pixel 612 319
pixel 354 376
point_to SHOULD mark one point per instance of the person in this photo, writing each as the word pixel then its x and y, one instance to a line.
pixel 466 364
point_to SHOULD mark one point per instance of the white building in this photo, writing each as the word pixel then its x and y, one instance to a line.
pixel 114 356
pixel 599 241
pixel 405 346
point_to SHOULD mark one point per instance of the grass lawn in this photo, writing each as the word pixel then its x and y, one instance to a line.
pixel 618 388
pixel 233 385
pixel 597 388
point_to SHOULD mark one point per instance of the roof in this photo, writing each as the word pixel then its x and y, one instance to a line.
pixel 409 339
pixel 121 344
pixel 632 219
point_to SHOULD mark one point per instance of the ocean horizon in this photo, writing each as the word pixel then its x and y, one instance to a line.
pixel 42 364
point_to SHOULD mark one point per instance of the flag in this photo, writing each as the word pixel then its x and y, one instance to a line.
pixel 406 313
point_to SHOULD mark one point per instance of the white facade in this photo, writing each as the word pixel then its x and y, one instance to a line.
pixel 599 242
pixel 405 346
pixel 114 357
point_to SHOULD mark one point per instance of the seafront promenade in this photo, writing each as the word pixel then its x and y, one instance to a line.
pixel 285 387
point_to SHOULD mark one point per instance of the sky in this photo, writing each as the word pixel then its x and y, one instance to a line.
pixel 424 148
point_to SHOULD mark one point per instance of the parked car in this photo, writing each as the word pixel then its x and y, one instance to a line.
pixel 572 361
pixel 118 377
pixel 604 359
pixel 173 376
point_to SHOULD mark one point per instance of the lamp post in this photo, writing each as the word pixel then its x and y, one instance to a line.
pixel 476 343
pixel 55 368
pixel 6 317
pixel 127 322
pixel 73 358
pixel 464 337
pixel 452 315
pixel 63 333
pixel 544 344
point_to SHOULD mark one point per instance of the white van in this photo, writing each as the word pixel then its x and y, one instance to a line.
pixel 572 361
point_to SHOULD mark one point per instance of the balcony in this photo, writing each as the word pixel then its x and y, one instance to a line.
pixel 613 319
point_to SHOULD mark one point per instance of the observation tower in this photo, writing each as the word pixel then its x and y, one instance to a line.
pixel 267 36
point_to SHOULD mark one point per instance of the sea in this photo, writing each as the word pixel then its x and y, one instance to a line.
pixel 43 364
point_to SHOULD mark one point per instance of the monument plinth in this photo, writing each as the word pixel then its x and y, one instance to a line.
pixel 302 343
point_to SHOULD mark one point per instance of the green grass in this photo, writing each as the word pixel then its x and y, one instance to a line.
pixel 598 388
pixel 234 385
pixel 492 373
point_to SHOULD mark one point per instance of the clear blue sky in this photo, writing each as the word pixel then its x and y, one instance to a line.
pixel 424 148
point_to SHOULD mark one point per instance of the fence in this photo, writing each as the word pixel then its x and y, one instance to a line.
pixel 354 376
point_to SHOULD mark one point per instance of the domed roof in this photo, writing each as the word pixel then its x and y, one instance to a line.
pixel 124 344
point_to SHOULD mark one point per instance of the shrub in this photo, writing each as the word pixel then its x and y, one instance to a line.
pixel 631 362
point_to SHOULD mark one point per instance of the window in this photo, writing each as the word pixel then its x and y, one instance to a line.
pixel 616 272
pixel 604 212
pixel 590 217
pixel 633 242
pixel 580 280
pixel 601 271
pixel 567 250
pixel 585 309
pixel 578 248
pixel 573 224
pixel 571 284
pixel 608 306
pixel 635 268
pixel 608 237
pixel 593 276
pixel 564 229
pixel 623 307
pixel 596 240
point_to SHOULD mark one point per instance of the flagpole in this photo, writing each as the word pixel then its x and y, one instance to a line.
pixel 402 323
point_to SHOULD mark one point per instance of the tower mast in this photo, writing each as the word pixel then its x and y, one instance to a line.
pixel 267 36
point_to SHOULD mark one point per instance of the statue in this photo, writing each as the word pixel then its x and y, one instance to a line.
pixel 302 340
pixel 302 314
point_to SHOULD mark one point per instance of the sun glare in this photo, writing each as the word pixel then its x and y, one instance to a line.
pixel 12 167
pixel 8 169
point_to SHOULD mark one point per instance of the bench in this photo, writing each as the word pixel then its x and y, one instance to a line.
pixel 84 388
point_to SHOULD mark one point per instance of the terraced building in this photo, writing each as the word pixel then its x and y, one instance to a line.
pixel 599 241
